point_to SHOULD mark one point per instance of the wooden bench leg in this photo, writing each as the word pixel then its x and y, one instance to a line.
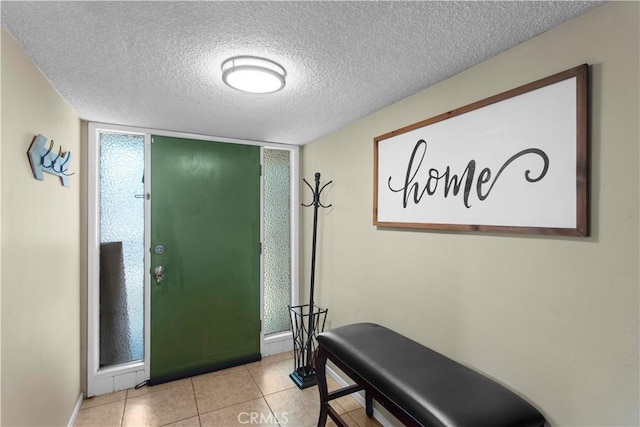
pixel 368 403
pixel 320 363
pixel 325 397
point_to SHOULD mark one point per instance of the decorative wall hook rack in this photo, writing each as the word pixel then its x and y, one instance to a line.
pixel 43 159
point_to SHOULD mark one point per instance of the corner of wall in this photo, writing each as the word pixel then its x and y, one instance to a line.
pixel 1 36
pixel 83 224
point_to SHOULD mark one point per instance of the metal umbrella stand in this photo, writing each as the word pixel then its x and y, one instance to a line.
pixel 308 320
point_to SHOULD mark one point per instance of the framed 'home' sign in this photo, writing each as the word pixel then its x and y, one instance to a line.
pixel 515 162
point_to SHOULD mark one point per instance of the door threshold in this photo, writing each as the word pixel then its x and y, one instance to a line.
pixel 203 370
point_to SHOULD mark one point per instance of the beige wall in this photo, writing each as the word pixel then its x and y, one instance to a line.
pixel 555 319
pixel 40 252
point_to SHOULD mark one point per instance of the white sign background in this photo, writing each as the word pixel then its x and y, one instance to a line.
pixel 543 119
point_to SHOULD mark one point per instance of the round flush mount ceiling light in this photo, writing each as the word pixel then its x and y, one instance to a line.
pixel 252 74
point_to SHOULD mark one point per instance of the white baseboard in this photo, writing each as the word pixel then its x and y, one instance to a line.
pixel 359 398
pixel 76 409
pixel 277 343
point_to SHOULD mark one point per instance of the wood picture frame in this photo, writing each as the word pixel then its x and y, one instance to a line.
pixel 516 162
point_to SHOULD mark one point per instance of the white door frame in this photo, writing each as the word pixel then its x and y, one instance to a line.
pixel 121 377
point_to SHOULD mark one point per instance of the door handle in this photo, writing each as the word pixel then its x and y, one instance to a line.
pixel 158 271
pixel 145 196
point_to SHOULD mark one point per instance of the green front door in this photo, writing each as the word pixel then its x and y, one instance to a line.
pixel 205 233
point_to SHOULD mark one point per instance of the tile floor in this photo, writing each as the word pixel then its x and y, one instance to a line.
pixel 257 394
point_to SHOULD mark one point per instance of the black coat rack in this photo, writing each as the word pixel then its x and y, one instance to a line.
pixel 308 320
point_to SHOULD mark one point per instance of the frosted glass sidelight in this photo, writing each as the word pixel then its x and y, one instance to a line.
pixel 121 248
pixel 277 240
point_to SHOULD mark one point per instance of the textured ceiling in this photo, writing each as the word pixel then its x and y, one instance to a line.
pixel 157 64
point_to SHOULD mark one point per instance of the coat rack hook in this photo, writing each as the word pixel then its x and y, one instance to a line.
pixel 316 192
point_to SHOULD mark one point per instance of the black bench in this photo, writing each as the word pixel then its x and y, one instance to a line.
pixel 417 385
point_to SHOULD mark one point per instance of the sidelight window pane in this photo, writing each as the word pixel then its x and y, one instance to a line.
pixel 277 240
pixel 121 248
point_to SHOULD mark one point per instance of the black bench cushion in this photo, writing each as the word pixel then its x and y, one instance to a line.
pixel 434 389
